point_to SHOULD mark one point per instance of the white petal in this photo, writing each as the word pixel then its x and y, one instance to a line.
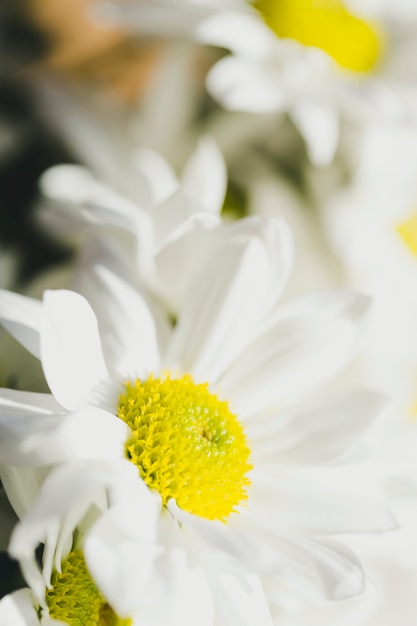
pixel 176 260
pixel 126 324
pixel 295 356
pixel 15 401
pixel 320 429
pixel 78 200
pixel 240 281
pixel 205 175
pixel 66 495
pixel 330 304
pixel 241 33
pixel 325 566
pixel 18 609
pixel 156 169
pixel 319 125
pixel 21 316
pixel 168 585
pixel 227 538
pixel 246 85
pixel 240 600
pixel 317 501
pixel 22 485
pixel 43 439
pixel 171 214
pixel 70 346
pixel 122 560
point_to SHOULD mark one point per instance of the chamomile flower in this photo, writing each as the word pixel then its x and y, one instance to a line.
pixel 62 590
pixel 314 60
pixel 163 225
pixel 227 420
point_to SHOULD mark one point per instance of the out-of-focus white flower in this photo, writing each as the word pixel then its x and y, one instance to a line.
pixel 315 61
pixel 167 226
pixel 315 266
pixel 371 224
pixel 224 418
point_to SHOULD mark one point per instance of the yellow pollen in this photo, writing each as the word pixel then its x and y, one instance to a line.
pixel 187 444
pixel 408 233
pixel 353 43
pixel 74 599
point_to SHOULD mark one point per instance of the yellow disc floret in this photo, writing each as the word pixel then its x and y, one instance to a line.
pixel 353 43
pixel 74 599
pixel 187 444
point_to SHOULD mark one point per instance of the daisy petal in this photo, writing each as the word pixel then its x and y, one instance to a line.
pixel 321 429
pixel 18 609
pixel 291 358
pixel 337 500
pixel 21 316
pixel 15 401
pixel 244 85
pixel 240 600
pixel 243 276
pixel 328 568
pixel 37 439
pixel 241 33
pixel 70 346
pixel 22 485
pixel 161 177
pixel 67 492
pixel 204 176
pixel 319 125
pixel 78 199
pixel 113 545
pixel 126 326
pixel 177 258
pixel 331 303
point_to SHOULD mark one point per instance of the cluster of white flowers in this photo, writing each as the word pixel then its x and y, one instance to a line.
pixel 220 425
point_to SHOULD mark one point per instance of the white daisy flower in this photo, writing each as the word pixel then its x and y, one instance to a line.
pixel 224 419
pixel 166 225
pixel 62 590
pixel 313 60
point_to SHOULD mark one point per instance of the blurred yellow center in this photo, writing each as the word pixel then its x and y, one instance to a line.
pixel 187 444
pixel 74 599
pixel 408 233
pixel 353 43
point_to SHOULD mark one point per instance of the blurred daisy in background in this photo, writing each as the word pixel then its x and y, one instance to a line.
pixel 165 229
pixel 316 61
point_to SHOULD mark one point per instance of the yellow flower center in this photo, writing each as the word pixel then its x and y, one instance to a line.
pixel 353 43
pixel 408 232
pixel 74 599
pixel 187 444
